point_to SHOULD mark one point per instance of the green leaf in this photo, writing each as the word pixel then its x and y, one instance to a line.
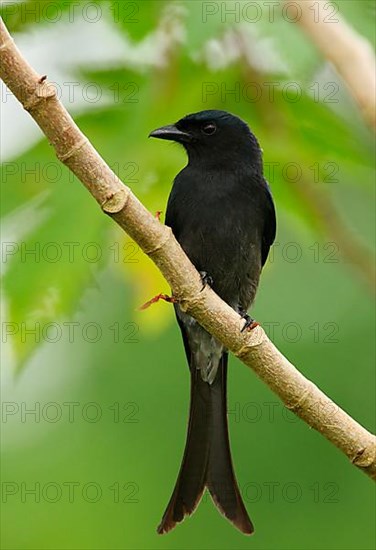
pixel 21 15
pixel 64 241
pixel 137 18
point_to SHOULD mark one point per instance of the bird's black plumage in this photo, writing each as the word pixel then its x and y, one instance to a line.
pixel 221 211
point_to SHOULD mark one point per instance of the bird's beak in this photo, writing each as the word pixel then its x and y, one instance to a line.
pixel 172 133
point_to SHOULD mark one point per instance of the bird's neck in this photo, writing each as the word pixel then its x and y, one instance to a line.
pixel 246 157
pixel 226 163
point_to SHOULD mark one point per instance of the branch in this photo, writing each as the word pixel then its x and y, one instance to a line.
pixel 350 53
pixel 157 241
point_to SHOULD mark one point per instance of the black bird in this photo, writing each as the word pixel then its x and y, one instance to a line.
pixel 221 211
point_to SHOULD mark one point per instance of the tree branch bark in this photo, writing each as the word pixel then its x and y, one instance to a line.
pixel 350 53
pixel 300 395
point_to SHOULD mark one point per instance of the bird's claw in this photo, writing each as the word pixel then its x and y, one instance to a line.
pixel 249 323
pixel 206 279
pixel 156 298
pixel 158 215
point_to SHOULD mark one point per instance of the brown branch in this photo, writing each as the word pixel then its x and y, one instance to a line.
pixel 351 54
pixel 157 241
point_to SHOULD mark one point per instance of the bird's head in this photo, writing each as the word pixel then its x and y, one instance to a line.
pixel 214 137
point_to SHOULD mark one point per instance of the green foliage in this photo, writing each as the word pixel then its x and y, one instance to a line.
pixel 19 16
pixel 137 19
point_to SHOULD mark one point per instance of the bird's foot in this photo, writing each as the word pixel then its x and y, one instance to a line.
pixel 249 323
pixel 206 279
pixel 158 215
pixel 156 299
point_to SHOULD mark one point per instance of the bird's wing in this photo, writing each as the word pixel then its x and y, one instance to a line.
pixel 270 226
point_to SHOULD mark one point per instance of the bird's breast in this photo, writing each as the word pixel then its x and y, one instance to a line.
pixel 217 218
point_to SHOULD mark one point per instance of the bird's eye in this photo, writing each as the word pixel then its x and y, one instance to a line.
pixel 209 128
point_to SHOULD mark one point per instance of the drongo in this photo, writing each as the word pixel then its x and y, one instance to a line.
pixel 221 211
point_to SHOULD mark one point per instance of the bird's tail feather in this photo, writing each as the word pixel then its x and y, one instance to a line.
pixel 207 458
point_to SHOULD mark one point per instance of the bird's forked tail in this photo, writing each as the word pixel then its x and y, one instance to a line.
pixel 207 457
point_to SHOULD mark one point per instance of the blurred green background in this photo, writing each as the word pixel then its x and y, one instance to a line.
pixel 95 393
